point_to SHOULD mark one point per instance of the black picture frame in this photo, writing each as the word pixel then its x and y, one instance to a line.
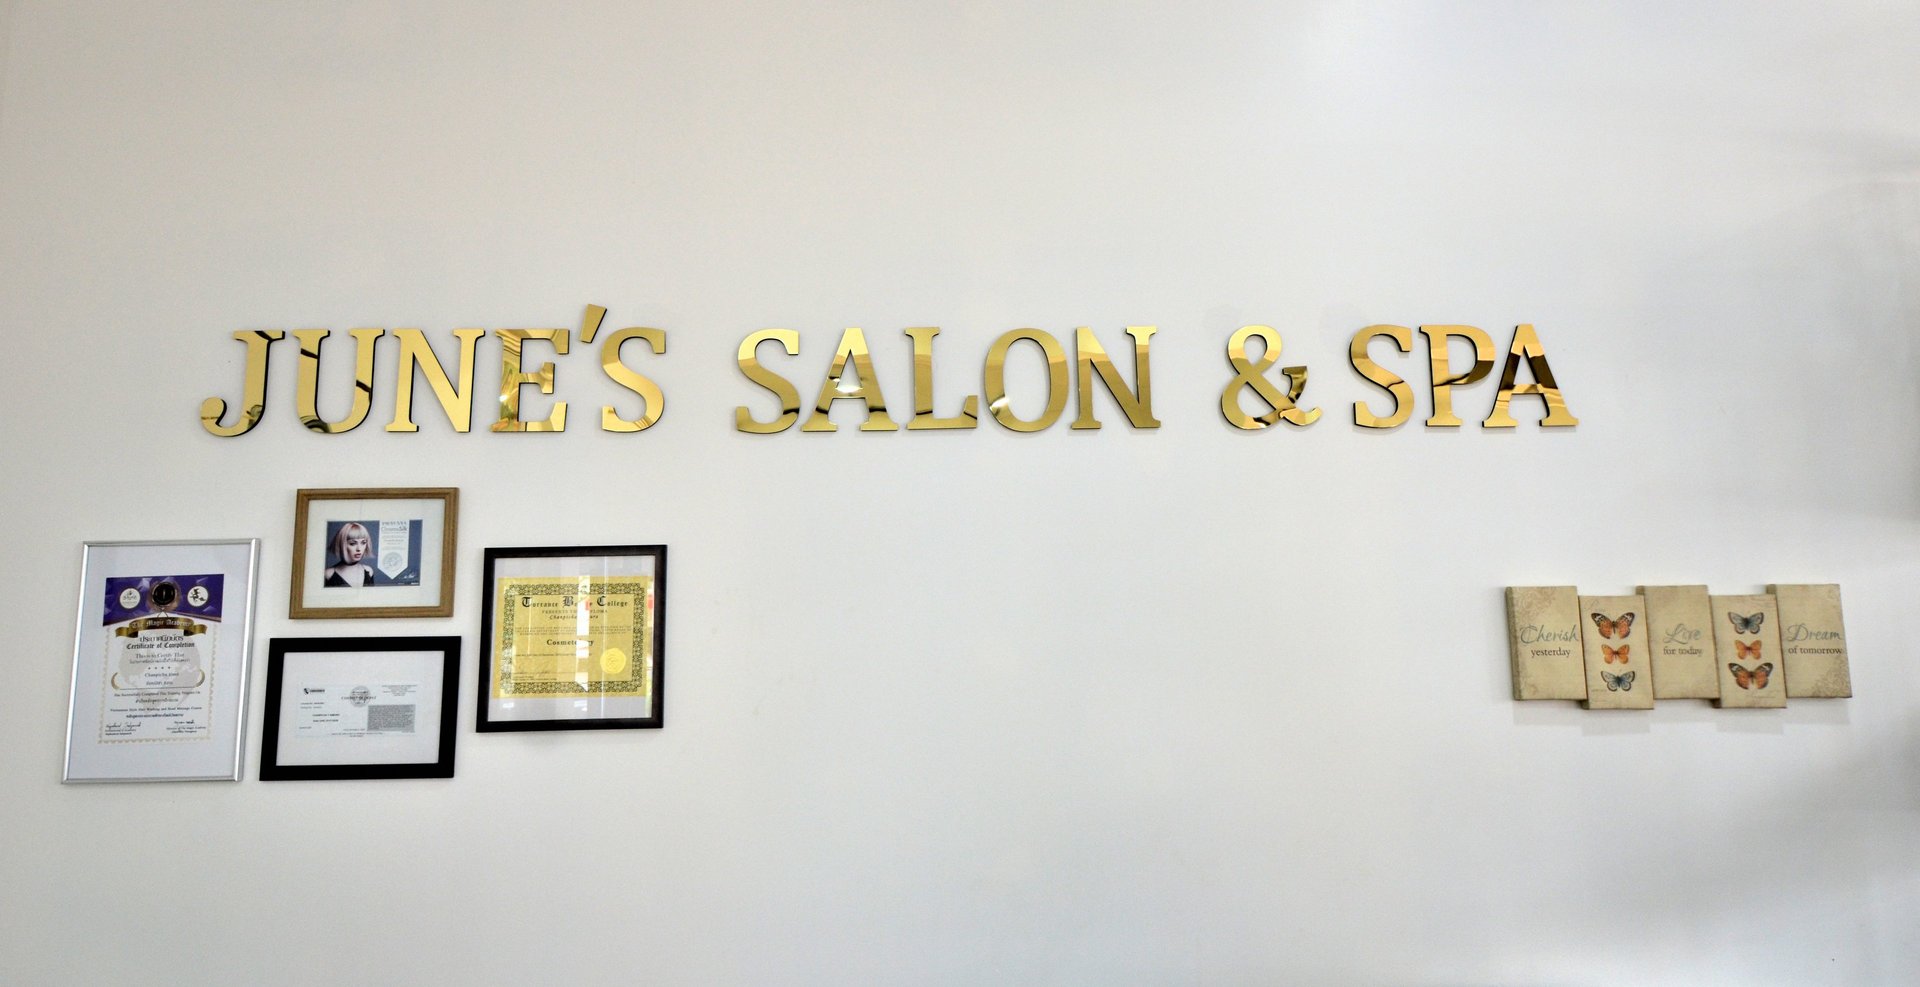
pixel 617 680
pixel 428 654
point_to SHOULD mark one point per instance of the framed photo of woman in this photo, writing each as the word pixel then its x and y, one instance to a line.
pixel 374 552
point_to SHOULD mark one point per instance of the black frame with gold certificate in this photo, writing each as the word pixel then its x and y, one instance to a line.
pixel 573 638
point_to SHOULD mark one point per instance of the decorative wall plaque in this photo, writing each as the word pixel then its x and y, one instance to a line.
pixel 1543 631
pixel 1618 668
pixel 1678 642
pixel 1680 633
pixel 1813 641
pixel 1746 631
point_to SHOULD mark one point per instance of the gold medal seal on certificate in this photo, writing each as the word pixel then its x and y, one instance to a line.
pixel 573 636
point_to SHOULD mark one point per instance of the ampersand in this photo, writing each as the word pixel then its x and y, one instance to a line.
pixel 1253 374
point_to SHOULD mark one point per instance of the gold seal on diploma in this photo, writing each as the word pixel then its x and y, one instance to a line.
pixel 613 661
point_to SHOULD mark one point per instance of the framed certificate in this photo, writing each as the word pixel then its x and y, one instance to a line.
pixel 160 655
pixel 359 707
pixel 374 552
pixel 573 638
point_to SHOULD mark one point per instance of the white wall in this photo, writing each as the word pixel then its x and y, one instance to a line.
pixel 1184 705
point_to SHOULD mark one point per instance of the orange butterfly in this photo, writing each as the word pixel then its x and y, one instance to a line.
pixel 1754 678
pixel 1745 651
pixel 1611 655
pixel 1613 628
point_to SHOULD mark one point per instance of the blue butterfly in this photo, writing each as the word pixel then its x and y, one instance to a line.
pixel 1746 625
pixel 1622 682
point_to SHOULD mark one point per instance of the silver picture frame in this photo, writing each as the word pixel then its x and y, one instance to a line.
pixel 162 654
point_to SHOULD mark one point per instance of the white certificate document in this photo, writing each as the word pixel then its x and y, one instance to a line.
pixel 161 634
pixel 360 707
pixel 157 682
pixel 359 710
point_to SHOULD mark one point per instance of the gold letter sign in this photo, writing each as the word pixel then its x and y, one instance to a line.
pixel 851 376
pixel 1249 374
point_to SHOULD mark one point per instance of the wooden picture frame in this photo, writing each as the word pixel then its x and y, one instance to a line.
pixel 374 552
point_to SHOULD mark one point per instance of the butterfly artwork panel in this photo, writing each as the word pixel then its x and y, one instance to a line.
pixel 1751 666
pixel 1813 638
pixel 1543 631
pixel 1618 666
pixel 1680 632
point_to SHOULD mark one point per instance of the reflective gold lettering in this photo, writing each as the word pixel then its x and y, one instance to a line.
pixel 1253 374
pixel 782 388
pixel 996 379
pixel 1526 345
pixel 590 321
pixel 853 346
pixel 253 388
pixel 1091 359
pixel 512 379
pixel 652 402
pixel 923 417
pixel 306 401
pixel 1442 378
pixel 455 396
pixel 1400 390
